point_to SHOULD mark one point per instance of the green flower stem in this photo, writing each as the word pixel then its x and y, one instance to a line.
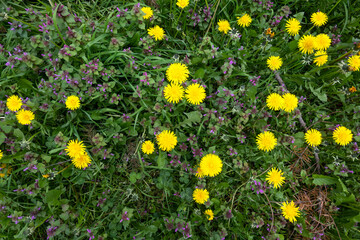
pixel 177 22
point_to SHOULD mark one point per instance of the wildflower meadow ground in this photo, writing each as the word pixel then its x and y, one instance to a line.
pixel 179 119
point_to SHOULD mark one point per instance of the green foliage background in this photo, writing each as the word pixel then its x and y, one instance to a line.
pixel 119 111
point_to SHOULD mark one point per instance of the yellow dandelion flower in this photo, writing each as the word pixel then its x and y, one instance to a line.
pixel 354 62
pixel 321 58
pixel 81 161
pixel 173 93
pixel 147 147
pixel 75 148
pixel 211 165
pixel 177 73
pixel 352 89
pixel 25 117
pixel 290 211
pixel 313 137
pixel 319 19
pixel 156 32
pixel 290 102
pixel 200 195
pixel 224 26
pixel 167 140
pixel 322 42
pixel 274 101
pixel 307 44
pixel 293 26
pixel 14 103
pixel 275 177
pixel 46 176
pixel 274 62
pixel 210 214
pixel 266 141
pixel 148 12
pixel 342 136
pixel 182 3
pixel 72 102
pixel 244 21
pixel 199 173
pixel 195 93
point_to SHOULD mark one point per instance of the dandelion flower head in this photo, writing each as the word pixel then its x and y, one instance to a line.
pixel 274 62
pixel 195 93
pixel 290 211
pixel 210 214
pixel 290 102
pixel 173 93
pixel 25 116
pixel 274 101
pixel 319 18
pixel 354 62
pixel 72 102
pixel 200 195
pixel 75 148
pixel 156 32
pixel 167 140
pixel 177 73
pixel 342 135
pixel 322 42
pixel 182 3
pixel 148 12
pixel 320 58
pixel 211 165
pixel 266 141
pixel 147 147
pixel 224 26
pixel 244 21
pixel 293 26
pixel 313 137
pixel 14 103
pixel 81 161
pixel 307 44
pixel 275 177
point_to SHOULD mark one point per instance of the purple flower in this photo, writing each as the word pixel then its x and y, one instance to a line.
pixel 124 217
pixel 90 234
pixel 51 232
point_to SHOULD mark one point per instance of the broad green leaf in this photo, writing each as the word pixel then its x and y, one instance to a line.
pixel 324 180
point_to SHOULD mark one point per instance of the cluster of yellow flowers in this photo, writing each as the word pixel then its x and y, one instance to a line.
pixel 289 210
pixel 266 141
pixel 224 25
pixel 24 117
pixel 166 140
pixel 158 32
pixel 287 102
pixel 76 150
pixel 308 44
pixel 210 165
pixel 177 73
